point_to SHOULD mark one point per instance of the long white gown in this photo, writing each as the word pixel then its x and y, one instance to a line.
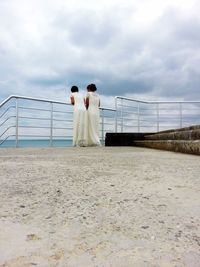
pixel 79 121
pixel 93 119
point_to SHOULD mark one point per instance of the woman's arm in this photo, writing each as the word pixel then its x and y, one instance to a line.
pixel 87 102
pixel 72 100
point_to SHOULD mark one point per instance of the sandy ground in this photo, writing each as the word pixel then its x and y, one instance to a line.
pixel 99 207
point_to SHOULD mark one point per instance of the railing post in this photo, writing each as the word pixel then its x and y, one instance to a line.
pixel 102 125
pixel 51 124
pixel 116 111
pixel 17 123
pixel 121 115
pixel 158 117
pixel 181 115
pixel 138 114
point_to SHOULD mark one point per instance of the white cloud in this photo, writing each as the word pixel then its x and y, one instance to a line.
pixel 143 48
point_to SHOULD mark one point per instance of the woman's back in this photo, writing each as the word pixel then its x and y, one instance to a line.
pixel 93 101
pixel 78 101
pixel 79 120
pixel 93 118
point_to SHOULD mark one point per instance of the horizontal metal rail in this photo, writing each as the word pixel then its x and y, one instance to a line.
pixel 32 135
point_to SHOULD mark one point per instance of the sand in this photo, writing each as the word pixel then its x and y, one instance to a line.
pixel 99 207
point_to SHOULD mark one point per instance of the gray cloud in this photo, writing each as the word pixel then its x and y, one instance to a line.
pixel 43 51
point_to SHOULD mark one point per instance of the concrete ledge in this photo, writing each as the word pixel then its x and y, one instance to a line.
pixel 184 140
pixel 123 139
pixel 192 127
pixel 176 135
pixel 183 146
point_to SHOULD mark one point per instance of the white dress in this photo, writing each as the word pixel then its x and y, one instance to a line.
pixel 93 119
pixel 79 120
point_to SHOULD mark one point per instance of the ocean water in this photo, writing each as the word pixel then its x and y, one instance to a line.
pixel 37 143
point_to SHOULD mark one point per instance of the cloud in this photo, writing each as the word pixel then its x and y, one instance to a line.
pixel 144 49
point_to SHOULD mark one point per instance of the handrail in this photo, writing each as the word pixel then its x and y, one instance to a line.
pixel 6 100
pixel 32 98
pixel 157 102
pixel 127 108
pixel 119 97
pixel 127 112
pixel 43 100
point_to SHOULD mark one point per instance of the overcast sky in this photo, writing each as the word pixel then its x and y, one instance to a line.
pixel 146 49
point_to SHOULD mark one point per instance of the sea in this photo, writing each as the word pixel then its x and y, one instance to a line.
pixel 37 143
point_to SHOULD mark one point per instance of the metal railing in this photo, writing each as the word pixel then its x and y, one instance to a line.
pixel 154 116
pixel 26 118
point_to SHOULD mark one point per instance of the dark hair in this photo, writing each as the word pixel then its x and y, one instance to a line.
pixel 92 87
pixel 88 87
pixel 74 89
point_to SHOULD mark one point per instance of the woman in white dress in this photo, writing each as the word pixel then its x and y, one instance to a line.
pixel 79 118
pixel 92 106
